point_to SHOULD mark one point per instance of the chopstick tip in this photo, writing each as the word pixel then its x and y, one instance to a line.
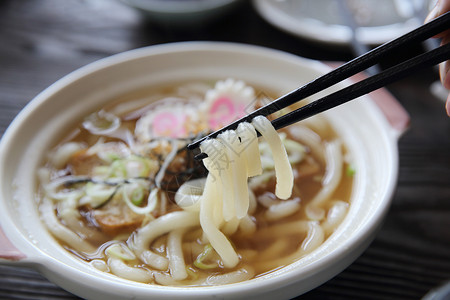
pixel 192 146
pixel 200 156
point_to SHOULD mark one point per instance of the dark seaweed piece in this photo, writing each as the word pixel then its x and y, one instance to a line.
pixel 110 197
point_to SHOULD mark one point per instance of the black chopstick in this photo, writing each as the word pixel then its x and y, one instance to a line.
pixel 348 69
pixel 362 87
pixel 358 47
pixel 365 86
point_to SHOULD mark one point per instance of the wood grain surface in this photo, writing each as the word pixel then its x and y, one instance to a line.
pixel 43 40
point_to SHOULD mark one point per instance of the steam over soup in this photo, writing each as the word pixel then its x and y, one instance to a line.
pixel 123 193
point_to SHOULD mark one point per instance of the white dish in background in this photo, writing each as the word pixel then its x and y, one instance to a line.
pixel 378 21
pixel 181 12
pixel 371 141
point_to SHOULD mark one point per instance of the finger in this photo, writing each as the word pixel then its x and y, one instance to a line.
pixel 444 67
pixel 447 106
pixel 443 74
pixel 441 7
pixel 434 12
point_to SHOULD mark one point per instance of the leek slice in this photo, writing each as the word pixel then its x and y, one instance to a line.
pixel 199 262
pixel 101 122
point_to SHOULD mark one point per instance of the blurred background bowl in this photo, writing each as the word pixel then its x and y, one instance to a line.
pixel 182 12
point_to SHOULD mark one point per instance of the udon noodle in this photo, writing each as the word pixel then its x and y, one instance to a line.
pixel 123 193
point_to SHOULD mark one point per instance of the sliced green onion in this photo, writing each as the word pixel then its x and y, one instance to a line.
pixel 109 151
pixel 296 152
pixel 137 166
pixel 97 194
pixel 152 200
pixel 118 169
pixel 65 187
pixel 120 251
pixel 137 196
pixel 131 167
pixel 101 171
pixel 207 251
pixel 350 171
pixel 101 122
pixel 111 156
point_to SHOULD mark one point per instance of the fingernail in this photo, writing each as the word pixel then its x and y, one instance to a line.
pixel 435 12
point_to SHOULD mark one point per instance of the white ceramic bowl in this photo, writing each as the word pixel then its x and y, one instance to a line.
pixel 371 139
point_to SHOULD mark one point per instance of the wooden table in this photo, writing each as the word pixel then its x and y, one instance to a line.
pixel 42 40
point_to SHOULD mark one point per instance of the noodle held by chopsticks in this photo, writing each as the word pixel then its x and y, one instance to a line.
pixel 283 169
pixel 237 163
pixel 228 159
pixel 248 136
pixel 209 199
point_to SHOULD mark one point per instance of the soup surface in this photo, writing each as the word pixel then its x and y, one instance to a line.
pixel 121 190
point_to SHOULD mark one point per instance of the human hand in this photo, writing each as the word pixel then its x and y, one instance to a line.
pixel 441 7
